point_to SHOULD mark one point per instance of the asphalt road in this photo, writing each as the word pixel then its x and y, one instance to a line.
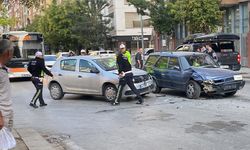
pixel 166 121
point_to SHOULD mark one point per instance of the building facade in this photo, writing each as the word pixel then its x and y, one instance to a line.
pixel 23 15
pixel 236 20
pixel 126 24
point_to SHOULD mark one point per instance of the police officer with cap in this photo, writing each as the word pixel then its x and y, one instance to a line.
pixel 37 69
pixel 125 75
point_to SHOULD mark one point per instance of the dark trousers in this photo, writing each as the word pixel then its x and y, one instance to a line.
pixel 127 79
pixel 39 91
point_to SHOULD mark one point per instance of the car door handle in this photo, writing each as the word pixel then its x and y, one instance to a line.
pixel 59 74
pixel 79 76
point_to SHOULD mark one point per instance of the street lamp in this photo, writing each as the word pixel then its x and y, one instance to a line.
pixel 142 38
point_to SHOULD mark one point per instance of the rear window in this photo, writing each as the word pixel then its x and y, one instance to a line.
pixel 226 47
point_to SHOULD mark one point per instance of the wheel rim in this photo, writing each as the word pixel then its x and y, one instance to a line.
pixel 55 91
pixel 190 90
pixel 110 93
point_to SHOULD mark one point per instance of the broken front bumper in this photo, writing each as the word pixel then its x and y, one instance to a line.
pixel 220 88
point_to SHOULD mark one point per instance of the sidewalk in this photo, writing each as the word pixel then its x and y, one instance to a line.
pixel 245 73
pixel 29 139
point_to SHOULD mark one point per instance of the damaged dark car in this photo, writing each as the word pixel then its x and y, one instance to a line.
pixel 193 73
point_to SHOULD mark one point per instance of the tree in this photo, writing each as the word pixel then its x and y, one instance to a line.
pixel 30 3
pixel 4 19
pixel 198 15
pixel 159 13
pixel 73 25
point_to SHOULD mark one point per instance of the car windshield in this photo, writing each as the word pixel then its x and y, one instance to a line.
pixel 50 58
pixel 107 64
pixel 204 61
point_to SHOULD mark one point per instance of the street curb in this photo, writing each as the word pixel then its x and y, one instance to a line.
pixel 33 140
pixel 70 145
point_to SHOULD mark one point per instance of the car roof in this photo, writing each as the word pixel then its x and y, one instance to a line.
pixel 90 57
pixel 176 54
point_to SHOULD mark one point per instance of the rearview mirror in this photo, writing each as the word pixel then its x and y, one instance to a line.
pixel 94 70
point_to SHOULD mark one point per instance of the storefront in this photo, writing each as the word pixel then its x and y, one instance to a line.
pixel 132 42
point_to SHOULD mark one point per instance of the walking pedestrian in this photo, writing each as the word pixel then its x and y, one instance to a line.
pixel 6 110
pixel 138 59
pixel 37 69
pixel 125 76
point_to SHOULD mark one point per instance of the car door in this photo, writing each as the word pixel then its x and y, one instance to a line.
pixel 67 76
pixel 176 76
pixel 89 81
pixel 161 72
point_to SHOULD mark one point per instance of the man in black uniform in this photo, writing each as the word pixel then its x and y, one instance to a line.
pixel 126 76
pixel 37 68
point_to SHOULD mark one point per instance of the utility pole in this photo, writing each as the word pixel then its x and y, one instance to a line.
pixel 142 38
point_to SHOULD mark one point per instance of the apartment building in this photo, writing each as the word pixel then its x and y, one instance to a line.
pixel 24 15
pixel 126 24
pixel 236 20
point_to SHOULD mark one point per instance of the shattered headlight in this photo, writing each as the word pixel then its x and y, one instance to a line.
pixel 208 82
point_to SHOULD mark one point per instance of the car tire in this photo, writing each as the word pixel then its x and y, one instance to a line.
pixel 230 94
pixel 110 92
pixel 56 91
pixel 156 88
pixel 193 90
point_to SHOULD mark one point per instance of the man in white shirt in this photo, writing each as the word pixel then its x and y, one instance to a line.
pixel 6 110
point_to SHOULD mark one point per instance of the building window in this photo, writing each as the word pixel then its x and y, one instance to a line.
pixel 236 20
pixel 132 20
pixel 228 21
pixel 245 18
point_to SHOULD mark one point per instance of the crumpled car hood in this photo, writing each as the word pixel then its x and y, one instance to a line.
pixel 214 73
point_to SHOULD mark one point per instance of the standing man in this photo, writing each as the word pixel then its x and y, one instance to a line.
pixel 6 110
pixel 37 68
pixel 125 75
pixel 138 59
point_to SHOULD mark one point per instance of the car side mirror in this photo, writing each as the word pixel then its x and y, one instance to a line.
pixel 94 70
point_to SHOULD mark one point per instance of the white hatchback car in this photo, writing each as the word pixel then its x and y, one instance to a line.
pixel 93 75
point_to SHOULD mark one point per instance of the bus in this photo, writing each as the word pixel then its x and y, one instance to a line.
pixel 26 44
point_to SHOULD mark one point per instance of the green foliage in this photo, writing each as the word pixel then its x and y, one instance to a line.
pixel 30 3
pixel 73 25
pixel 198 15
pixel 4 19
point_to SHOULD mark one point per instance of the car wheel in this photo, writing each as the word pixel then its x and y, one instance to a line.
pixel 156 88
pixel 193 90
pixel 110 92
pixel 56 91
pixel 230 94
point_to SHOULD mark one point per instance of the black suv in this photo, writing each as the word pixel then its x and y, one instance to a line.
pixel 223 44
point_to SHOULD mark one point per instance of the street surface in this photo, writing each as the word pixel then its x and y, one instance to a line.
pixel 166 121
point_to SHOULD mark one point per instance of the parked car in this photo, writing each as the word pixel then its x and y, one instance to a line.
pixel 223 44
pixel 192 73
pixel 93 75
pixel 148 51
pixel 49 60
pixel 102 53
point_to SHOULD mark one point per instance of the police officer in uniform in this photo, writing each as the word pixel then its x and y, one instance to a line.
pixel 125 75
pixel 37 68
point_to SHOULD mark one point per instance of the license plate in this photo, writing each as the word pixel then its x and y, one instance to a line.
pixel 25 75
pixel 229 87
pixel 224 66
pixel 143 85
pixel 238 77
